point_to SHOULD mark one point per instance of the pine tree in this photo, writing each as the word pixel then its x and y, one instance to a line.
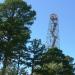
pixel 15 19
pixel 54 62
pixel 35 52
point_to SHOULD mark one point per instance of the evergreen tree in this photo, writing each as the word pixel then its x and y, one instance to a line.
pixel 54 62
pixel 35 52
pixel 15 19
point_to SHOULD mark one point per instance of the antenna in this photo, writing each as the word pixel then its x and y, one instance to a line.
pixel 53 32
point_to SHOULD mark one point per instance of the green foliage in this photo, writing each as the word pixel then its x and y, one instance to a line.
pixel 54 62
pixel 15 19
pixel 35 52
pixel 13 71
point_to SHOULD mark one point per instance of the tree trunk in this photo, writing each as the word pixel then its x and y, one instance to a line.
pixel 4 66
pixel 18 68
pixel 32 70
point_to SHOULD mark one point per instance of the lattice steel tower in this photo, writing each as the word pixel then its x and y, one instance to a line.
pixel 53 32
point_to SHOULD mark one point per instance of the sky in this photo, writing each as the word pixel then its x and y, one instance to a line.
pixel 65 9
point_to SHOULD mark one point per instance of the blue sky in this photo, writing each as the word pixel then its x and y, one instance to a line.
pixel 65 9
